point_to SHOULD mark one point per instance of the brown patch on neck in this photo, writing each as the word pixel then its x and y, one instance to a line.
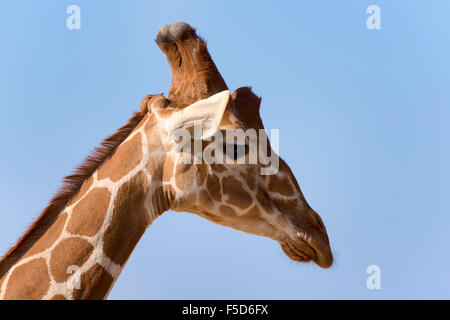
pixel 89 214
pixel 69 252
pixel 127 158
pixel 94 284
pixel 52 234
pixel 70 187
pixel 29 281
pixel 129 220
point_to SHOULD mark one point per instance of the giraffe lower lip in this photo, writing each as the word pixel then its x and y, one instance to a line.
pixel 298 251
pixel 323 256
pixel 305 248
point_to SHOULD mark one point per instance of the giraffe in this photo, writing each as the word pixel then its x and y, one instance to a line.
pixel 78 246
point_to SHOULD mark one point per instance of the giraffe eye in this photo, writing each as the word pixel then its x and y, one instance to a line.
pixel 235 151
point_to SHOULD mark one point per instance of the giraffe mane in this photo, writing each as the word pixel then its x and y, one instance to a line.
pixel 70 186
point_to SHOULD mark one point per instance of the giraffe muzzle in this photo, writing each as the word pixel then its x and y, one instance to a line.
pixel 323 256
pixel 306 248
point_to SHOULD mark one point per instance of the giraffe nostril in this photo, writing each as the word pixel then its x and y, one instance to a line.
pixel 318 220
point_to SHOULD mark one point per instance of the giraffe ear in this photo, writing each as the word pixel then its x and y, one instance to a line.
pixel 247 106
pixel 207 113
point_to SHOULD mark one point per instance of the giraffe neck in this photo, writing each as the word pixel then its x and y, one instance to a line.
pixel 84 250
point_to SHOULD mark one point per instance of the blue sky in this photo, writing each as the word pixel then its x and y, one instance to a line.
pixel 364 119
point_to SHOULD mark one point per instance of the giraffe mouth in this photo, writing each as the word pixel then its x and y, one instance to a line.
pixel 306 248
pixel 299 251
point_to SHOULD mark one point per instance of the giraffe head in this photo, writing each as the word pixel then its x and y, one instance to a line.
pixel 232 189
pixel 175 154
